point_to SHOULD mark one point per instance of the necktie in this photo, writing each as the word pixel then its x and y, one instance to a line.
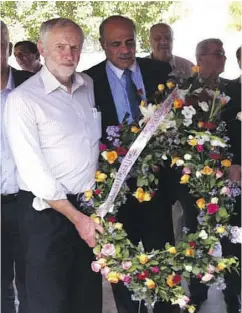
pixel 132 93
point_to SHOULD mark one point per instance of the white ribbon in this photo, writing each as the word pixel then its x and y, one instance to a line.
pixel 134 152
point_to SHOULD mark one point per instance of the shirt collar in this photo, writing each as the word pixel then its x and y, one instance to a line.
pixel 51 83
pixel 10 84
pixel 118 71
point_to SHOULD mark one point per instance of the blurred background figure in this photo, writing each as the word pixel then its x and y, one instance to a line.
pixel 210 57
pixel 161 41
pixel 27 56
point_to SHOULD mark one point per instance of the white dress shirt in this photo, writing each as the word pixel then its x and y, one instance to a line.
pixel 54 136
pixel 8 169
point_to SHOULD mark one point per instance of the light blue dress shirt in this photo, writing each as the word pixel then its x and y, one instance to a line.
pixel 8 170
pixel 117 85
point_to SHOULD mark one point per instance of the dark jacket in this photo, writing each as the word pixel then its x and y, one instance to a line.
pixel 20 76
pixel 150 221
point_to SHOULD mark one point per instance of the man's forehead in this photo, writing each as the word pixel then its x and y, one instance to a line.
pixel 161 30
pixel 215 46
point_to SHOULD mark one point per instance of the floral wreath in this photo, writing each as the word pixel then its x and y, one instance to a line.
pixel 195 140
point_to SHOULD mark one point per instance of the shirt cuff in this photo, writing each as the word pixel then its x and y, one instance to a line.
pixel 40 204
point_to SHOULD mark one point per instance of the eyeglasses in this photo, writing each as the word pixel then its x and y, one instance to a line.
pixel 218 54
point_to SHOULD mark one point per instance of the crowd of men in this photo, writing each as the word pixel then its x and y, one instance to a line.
pixel 50 133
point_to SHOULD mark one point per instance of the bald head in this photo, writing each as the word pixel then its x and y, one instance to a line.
pixel 6 48
pixel 161 41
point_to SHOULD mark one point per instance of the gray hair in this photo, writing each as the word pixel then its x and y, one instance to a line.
pixel 4 31
pixel 202 46
pixel 115 18
pixel 161 25
pixel 59 22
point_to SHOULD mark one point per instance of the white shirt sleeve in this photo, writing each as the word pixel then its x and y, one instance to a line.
pixel 22 132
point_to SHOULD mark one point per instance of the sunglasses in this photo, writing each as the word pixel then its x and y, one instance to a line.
pixel 218 54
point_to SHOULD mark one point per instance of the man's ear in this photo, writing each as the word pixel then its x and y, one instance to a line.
pixel 40 46
pixel 102 43
pixel 10 49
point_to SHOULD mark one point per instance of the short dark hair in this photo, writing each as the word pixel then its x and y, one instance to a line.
pixel 31 46
pixel 238 53
pixel 202 46
pixel 115 18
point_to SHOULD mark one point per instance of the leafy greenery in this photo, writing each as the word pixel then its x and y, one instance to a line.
pixel 89 14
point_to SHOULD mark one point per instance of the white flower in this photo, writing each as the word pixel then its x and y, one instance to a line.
pixel 188 267
pixel 182 302
pixel 207 277
pixel 198 174
pixel 217 143
pixel 147 111
pixel 199 90
pixel 164 157
pixel 188 112
pixel 211 269
pixel 190 137
pixel 204 106
pixel 239 116
pixel 179 162
pixel 187 122
pixel 214 200
pixel 203 234
pixel 187 157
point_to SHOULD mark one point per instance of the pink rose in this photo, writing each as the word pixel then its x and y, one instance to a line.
pixel 200 148
pixel 127 279
pixel 105 271
pixel 225 191
pixel 108 249
pixel 186 170
pixel 126 265
pixel 155 269
pixel 219 174
pixel 102 147
pixel 212 208
pixel 95 266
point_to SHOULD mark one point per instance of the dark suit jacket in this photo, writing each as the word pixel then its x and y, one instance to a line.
pixel 153 73
pixel 20 76
pixel 149 221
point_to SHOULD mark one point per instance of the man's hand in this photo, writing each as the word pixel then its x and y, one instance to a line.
pixel 85 226
pixel 234 173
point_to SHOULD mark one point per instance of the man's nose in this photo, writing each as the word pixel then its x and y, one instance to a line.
pixel 69 54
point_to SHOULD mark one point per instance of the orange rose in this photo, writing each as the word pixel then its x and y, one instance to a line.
pixel 178 103
pixel 207 170
pixel 226 163
pixel 201 203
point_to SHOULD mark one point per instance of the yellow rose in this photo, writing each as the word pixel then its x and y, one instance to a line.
pixel 172 250
pixel 201 203
pixel 100 177
pixel 142 103
pixel 226 163
pixel 88 195
pixel 141 196
pixel 184 179
pixel 174 160
pixel 221 266
pixel 143 259
pixel 169 281
pixel 192 142
pixel 150 283
pixel 102 262
pixel 118 226
pixel 178 103
pixel 191 309
pixel 170 85
pixel 113 277
pixel 189 252
pixel 220 229
pixel 135 129
pixel 200 124
pixel 110 156
pixel 195 69
pixel 206 170
pixel 161 87
pixel 96 218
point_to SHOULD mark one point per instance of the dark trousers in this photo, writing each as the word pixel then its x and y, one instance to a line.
pixel 12 260
pixel 59 278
